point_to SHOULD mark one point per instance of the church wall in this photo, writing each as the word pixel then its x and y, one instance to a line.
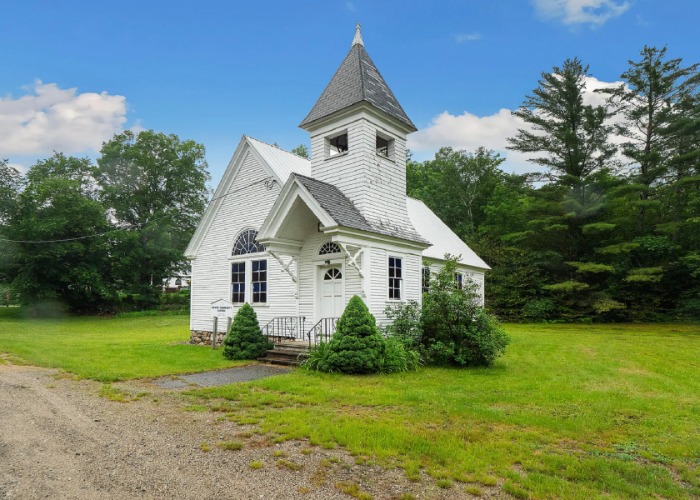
pixel 379 279
pixel 211 269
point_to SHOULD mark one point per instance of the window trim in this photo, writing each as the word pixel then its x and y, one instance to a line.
pixel 400 278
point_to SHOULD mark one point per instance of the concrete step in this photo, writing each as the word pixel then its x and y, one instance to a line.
pixel 281 360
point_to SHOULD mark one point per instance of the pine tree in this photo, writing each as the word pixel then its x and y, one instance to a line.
pixel 245 339
pixel 356 346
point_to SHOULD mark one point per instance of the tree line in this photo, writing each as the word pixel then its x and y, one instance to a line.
pixel 100 237
pixel 610 229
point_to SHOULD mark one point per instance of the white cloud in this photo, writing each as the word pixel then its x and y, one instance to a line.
pixel 570 12
pixel 19 167
pixel 467 37
pixel 49 118
pixel 469 131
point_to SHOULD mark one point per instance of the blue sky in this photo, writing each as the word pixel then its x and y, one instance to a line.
pixel 73 73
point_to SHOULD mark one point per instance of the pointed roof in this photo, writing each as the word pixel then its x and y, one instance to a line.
pixel 357 80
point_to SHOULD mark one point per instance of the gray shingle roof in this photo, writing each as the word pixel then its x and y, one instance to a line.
pixel 345 214
pixel 356 80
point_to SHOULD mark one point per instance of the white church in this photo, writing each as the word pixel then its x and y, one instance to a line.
pixel 297 238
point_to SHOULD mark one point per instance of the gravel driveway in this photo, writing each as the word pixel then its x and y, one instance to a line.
pixel 60 439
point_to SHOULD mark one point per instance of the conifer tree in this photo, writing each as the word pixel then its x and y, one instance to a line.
pixel 356 346
pixel 245 339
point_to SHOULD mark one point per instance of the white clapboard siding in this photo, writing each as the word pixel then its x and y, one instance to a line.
pixel 476 276
pixel 246 207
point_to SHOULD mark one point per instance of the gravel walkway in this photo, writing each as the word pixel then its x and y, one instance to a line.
pixel 221 377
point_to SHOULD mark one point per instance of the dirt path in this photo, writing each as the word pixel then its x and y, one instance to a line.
pixel 60 439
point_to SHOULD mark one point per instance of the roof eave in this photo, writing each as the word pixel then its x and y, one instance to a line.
pixel 309 126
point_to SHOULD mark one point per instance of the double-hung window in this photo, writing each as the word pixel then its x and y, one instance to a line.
pixel 395 278
pixel 259 281
pixel 459 281
pixel 425 279
pixel 238 282
pixel 248 276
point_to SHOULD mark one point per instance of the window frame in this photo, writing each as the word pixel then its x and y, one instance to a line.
pixel 329 148
pixel 262 283
pixel 390 146
pixel 459 280
pixel 237 294
pixel 243 263
pixel 425 279
pixel 392 285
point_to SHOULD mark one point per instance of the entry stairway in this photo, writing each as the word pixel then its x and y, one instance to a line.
pixel 292 340
pixel 287 353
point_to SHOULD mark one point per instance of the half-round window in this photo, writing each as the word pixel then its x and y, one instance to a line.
pixel 333 274
pixel 329 248
pixel 246 243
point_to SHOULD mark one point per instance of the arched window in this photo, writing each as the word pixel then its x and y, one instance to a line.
pixel 333 274
pixel 246 243
pixel 329 248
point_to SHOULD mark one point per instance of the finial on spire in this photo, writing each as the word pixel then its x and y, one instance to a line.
pixel 358 36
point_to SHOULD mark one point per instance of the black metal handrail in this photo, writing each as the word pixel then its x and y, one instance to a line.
pixel 281 328
pixel 323 330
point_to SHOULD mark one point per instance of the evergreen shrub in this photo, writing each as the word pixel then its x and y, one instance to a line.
pixel 245 339
pixel 356 346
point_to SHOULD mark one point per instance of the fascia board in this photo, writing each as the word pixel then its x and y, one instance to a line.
pixel 290 192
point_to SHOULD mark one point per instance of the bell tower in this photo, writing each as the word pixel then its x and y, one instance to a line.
pixel 358 139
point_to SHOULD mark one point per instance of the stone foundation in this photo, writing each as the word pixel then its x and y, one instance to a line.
pixel 202 337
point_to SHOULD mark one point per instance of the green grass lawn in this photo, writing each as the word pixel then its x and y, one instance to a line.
pixel 571 411
pixel 107 349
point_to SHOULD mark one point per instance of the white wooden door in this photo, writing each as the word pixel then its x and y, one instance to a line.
pixel 331 292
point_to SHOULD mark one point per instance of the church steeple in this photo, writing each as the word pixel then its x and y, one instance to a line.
pixel 357 80
pixel 358 140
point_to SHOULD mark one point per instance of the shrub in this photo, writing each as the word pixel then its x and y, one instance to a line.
pixel 356 346
pixel 456 329
pixel 405 323
pixel 398 357
pixel 244 339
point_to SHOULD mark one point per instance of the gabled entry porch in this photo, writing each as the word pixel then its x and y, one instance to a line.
pixel 325 261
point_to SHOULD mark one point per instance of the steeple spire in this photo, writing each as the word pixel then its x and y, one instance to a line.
pixel 358 36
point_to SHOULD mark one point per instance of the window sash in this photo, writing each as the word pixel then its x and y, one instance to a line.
pixel 258 282
pixel 238 282
pixel 395 278
pixel 425 279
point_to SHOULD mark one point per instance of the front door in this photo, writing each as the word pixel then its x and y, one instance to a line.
pixel 331 292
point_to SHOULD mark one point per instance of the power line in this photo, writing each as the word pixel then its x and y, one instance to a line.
pixel 268 181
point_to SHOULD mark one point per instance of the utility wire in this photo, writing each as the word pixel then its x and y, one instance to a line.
pixel 268 181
